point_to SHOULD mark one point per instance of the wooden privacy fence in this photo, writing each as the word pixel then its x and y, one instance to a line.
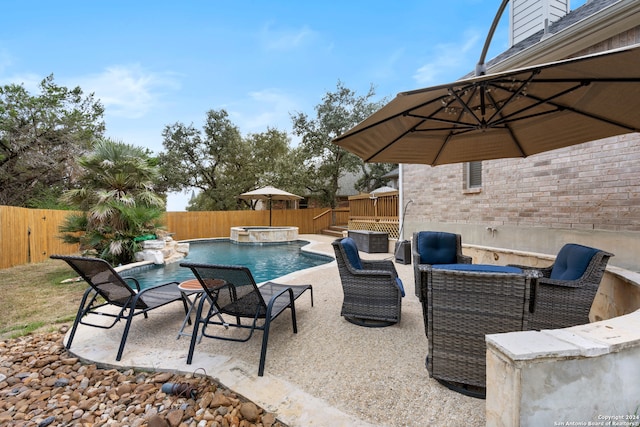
pixel 197 225
pixel 375 213
pixel 31 235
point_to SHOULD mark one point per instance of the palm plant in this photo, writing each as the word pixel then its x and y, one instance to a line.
pixel 116 195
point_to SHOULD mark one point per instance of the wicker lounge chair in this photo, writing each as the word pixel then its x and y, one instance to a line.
pixel 372 289
pixel 465 303
pixel 232 291
pixel 106 283
pixel 564 295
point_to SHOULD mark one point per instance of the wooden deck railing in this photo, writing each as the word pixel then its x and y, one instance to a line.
pixel 375 213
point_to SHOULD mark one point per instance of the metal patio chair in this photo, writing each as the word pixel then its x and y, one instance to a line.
pixel 232 291
pixel 107 288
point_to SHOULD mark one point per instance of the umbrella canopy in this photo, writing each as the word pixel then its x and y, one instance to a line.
pixel 269 193
pixel 384 189
pixel 510 114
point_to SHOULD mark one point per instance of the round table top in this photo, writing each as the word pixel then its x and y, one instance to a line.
pixel 194 284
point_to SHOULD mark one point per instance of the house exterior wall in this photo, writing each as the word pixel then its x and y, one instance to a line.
pixel 529 16
pixel 588 194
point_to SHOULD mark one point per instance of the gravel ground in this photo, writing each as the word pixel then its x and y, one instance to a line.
pixel 376 375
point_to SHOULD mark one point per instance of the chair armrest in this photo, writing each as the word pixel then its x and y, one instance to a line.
pixel 385 264
pixel 563 283
pixel 424 268
pixel 135 282
pixel 164 285
pixel 546 271
pixel 464 259
pixel 375 273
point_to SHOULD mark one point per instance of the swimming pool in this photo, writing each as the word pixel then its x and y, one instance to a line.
pixel 266 262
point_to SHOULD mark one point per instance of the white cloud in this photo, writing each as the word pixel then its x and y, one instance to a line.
pixel 265 108
pixel 128 90
pixel 286 39
pixel 448 60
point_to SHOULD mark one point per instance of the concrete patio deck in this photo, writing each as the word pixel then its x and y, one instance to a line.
pixel 332 373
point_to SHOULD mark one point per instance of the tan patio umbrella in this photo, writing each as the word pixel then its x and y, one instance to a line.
pixel 510 114
pixel 269 193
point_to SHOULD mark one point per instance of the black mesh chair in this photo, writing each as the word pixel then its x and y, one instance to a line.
pixel 108 289
pixel 232 291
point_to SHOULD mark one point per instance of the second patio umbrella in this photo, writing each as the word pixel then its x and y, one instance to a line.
pixel 269 194
pixel 510 114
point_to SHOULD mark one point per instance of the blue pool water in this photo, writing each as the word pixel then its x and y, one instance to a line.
pixel 266 262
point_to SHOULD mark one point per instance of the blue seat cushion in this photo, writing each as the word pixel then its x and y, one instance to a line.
pixel 437 247
pixel 572 262
pixel 400 286
pixel 479 268
pixel 351 249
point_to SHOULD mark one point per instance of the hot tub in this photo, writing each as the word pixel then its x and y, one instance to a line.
pixel 263 234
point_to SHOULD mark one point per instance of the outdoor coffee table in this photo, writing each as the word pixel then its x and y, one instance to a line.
pixel 193 287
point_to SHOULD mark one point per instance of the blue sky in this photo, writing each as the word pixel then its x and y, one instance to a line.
pixel 156 63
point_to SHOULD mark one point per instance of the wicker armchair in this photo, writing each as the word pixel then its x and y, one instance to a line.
pixel 372 289
pixel 564 295
pixel 434 247
pixel 465 303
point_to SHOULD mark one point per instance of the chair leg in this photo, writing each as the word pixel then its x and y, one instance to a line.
pixel 196 326
pixel 263 350
pixel 76 322
pixel 293 317
pixel 127 326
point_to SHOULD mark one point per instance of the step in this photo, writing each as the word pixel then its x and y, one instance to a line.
pixel 331 232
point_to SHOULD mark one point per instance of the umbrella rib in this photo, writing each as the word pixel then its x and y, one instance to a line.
pixel 386 119
pixel 539 101
pixel 411 129
pixel 514 95
pixel 558 107
pixel 515 139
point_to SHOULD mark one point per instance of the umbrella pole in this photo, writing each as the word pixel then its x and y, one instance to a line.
pixel 270 210
pixel 481 68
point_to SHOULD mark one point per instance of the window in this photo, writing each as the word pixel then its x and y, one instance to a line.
pixel 473 175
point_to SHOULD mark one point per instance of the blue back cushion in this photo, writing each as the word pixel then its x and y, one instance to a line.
pixel 572 261
pixel 350 248
pixel 437 247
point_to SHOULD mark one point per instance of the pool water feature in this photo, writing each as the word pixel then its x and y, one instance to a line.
pixel 266 262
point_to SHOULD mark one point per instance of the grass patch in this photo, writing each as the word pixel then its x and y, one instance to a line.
pixel 33 299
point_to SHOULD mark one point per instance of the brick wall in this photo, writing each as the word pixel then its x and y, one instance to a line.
pixel 591 186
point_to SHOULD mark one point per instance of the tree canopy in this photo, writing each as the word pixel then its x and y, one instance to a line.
pixel 325 161
pixel 222 164
pixel 40 135
pixel 117 192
